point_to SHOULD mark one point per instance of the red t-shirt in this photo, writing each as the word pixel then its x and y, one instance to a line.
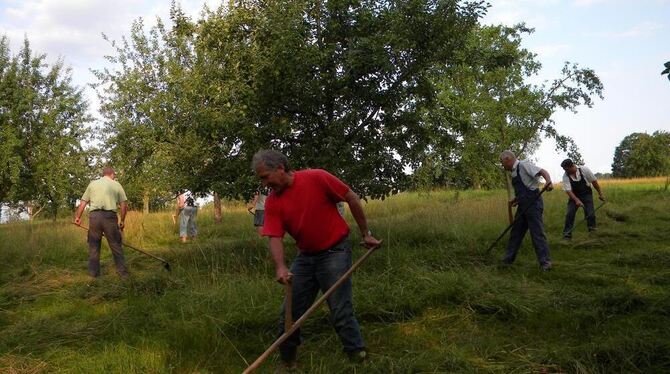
pixel 307 211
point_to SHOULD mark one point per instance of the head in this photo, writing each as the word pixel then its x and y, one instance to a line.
pixel 507 159
pixel 272 168
pixel 108 172
pixel 569 166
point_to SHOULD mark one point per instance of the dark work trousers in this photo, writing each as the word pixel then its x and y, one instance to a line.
pixel 532 207
pixel 587 199
pixel 104 222
pixel 314 272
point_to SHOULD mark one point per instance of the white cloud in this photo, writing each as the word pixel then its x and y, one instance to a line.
pixel 644 29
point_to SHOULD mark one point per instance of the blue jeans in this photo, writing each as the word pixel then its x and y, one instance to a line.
pixel 587 199
pixel 187 226
pixel 312 273
pixel 531 221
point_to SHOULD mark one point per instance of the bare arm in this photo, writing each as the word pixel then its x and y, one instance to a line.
pixel 124 210
pixel 282 274
pixel 80 211
pixel 357 211
pixel 176 210
pixel 574 198
pixel 253 202
pixel 596 185
pixel 547 178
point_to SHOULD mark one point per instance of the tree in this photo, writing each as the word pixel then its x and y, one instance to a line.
pixel 146 111
pixel 486 106
pixel 42 118
pixel 666 70
pixel 642 155
pixel 336 84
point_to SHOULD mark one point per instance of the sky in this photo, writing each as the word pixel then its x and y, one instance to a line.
pixel 625 42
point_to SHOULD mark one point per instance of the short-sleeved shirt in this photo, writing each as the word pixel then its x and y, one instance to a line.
pixel 529 173
pixel 588 175
pixel 262 194
pixel 307 211
pixel 104 193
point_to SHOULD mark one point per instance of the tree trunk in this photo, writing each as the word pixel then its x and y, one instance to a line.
pixel 217 208
pixel 145 200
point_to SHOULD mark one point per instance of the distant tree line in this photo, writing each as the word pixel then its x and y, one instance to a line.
pixel 642 155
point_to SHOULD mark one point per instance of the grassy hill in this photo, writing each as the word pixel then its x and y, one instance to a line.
pixel 430 301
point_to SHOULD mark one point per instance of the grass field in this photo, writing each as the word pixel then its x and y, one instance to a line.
pixel 430 301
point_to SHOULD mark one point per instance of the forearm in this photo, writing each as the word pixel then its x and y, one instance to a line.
pixel 546 176
pixel 572 196
pixel 124 209
pixel 277 252
pixel 356 209
pixel 596 185
pixel 80 209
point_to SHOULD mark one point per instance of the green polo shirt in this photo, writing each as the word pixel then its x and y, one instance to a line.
pixel 104 193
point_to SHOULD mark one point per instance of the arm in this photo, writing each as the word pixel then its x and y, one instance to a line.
pixel 596 185
pixel 574 198
pixel 124 210
pixel 176 213
pixel 357 211
pixel 253 202
pixel 80 210
pixel 547 179
pixel 282 273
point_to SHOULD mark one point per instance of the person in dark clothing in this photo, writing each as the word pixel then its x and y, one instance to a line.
pixel 577 182
pixel 530 208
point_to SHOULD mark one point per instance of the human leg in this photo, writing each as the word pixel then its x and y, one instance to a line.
pixel 304 290
pixel 331 266
pixel 516 237
pixel 114 239
pixel 183 225
pixel 94 240
pixel 569 219
pixel 589 211
pixel 536 228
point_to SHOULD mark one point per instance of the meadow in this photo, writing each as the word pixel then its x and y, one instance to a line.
pixel 429 301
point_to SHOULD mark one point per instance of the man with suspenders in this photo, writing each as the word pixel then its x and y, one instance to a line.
pixel 530 208
pixel 577 182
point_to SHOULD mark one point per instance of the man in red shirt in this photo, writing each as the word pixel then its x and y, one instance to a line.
pixel 303 203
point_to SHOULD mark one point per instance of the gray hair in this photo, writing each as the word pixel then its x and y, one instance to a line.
pixel 270 158
pixel 507 155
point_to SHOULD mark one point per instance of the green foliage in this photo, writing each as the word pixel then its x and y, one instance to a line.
pixel 42 125
pixel 485 106
pixel 428 301
pixel 339 85
pixel 642 155
pixel 666 70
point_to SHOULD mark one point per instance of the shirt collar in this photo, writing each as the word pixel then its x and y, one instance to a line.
pixel 516 165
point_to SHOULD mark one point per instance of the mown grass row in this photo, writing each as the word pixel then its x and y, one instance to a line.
pixel 429 301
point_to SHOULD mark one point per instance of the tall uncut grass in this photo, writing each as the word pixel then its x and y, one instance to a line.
pixel 429 301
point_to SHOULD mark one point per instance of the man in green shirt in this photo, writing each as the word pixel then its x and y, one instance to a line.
pixel 103 195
